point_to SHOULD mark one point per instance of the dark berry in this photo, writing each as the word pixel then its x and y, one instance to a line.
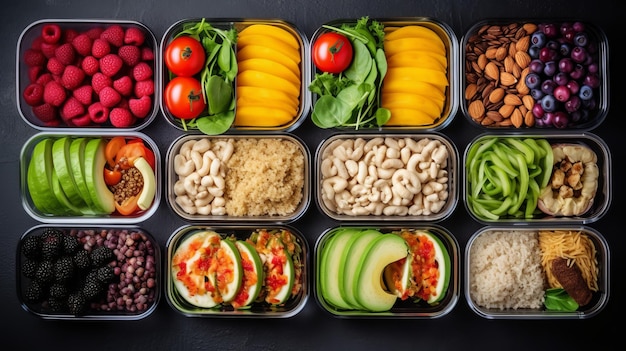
pixel 560 120
pixel 533 51
pixel 566 65
pixel 579 54
pixel 105 274
pixel 536 66
pixel 64 269
pixel 548 103
pixel 578 72
pixel 58 291
pixel 585 93
pixel 92 289
pixel 31 246
pixel 538 39
pixel 547 86
pixel 549 68
pixel 533 80
pixel 537 94
pixel 573 104
pixel 45 272
pixel 561 93
pixel 57 305
pixel 592 80
pixel 51 243
pixel 550 30
pixel 101 255
pixel 82 261
pixel 561 78
pixel 573 86
pixel 565 49
pixel 70 244
pixel 537 110
pixel 581 39
pixel 29 268
pixel 77 303
pixel 34 292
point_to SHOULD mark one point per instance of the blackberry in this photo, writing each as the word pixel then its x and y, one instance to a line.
pixel 105 274
pixel 45 272
pixel 92 289
pixel 51 243
pixel 64 269
pixel 58 291
pixel 70 244
pixel 100 256
pixel 34 292
pixel 29 268
pixel 77 303
pixel 82 262
pixel 31 247
pixel 57 305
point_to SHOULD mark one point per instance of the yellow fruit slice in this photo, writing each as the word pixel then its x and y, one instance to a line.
pixel 266 80
pixel 408 100
pixel 393 47
pixel 409 117
pixel 414 31
pixel 275 96
pixel 261 116
pixel 414 58
pixel 264 40
pixel 415 74
pixel 269 66
pixel 415 87
pixel 264 52
pixel 246 101
pixel 272 31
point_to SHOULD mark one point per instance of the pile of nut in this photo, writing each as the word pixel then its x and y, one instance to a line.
pixel 496 64
pixel 391 176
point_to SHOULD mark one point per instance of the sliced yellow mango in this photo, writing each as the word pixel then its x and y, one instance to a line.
pixel 393 47
pixel 246 101
pixel 261 116
pixel 267 41
pixel 273 31
pixel 269 66
pixel 414 58
pixel 265 80
pixel 418 74
pixel 410 100
pixel 413 31
pixel 259 51
pixel 415 87
pixel 263 93
pixel 409 117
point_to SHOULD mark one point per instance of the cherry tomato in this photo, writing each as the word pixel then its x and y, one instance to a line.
pixel 184 56
pixel 332 52
pixel 112 177
pixel 183 97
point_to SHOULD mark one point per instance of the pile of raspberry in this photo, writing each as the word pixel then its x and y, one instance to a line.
pixel 102 76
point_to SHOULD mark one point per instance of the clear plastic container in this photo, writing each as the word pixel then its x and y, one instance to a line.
pixel 239 24
pixel 198 167
pixel 40 301
pixel 451 62
pixel 409 308
pixel 81 213
pixel 504 47
pixel 294 301
pixel 550 207
pixel 387 177
pixel 31 37
pixel 504 243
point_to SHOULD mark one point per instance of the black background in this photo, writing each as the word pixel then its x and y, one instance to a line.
pixel 312 328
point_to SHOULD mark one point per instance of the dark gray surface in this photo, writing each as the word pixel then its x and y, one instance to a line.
pixel 313 328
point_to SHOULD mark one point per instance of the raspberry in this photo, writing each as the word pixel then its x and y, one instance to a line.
pixel 35 72
pixel 111 64
pixel 98 113
pixel 71 109
pixel 100 48
pixel 121 117
pixel 140 107
pixel 69 35
pixel 114 34
pixel 84 94
pixel 65 53
pixel 144 88
pixel 45 112
pixel 142 71
pixel 52 123
pixel 123 85
pixel 90 65
pixel 109 97
pixel 130 54
pixel 81 121
pixel 55 66
pixel 72 77
pixel 134 36
pixel 51 33
pixel 33 94
pixel 47 49
pixel 94 32
pixel 44 79
pixel 147 54
pixel 34 57
pixel 82 44
pixel 36 44
pixel 99 81
pixel 54 93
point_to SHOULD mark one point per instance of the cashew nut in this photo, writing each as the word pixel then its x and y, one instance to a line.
pixel 182 166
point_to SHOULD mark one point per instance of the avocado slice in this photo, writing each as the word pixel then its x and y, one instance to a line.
pixel 355 249
pixel 77 164
pixel 61 158
pixel 229 273
pixel 252 283
pixel 330 266
pixel 39 179
pixel 443 260
pixel 102 198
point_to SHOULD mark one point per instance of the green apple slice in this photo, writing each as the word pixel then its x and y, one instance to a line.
pixel 61 158
pixel 77 166
pixel 370 292
pixel 252 283
pixel 39 179
pixel 330 266
pixel 102 198
pixel 193 267
pixel 229 272
pixel 355 250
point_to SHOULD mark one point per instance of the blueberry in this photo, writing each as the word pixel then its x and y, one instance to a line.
pixel 537 94
pixel 533 51
pixel 566 65
pixel 578 72
pixel 579 54
pixel 581 39
pixel 547 86
pixel 533 80
pixel 548 103
pixel 585 93
pixel 578 26
pixel 549 68
pixel 565 49
pixel 561 78
pixel 550 30
pixel 538 39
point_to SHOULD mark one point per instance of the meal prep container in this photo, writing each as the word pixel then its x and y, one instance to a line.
pixel 601 200
pixel 173 179
pixel 353 157
pixel 596 305
pixel 32 35
pixel 164 76
pixel 259 309
pixel 147 292
pixel 450 42
pixel 114 218
pixel 508 43
pixel 402 309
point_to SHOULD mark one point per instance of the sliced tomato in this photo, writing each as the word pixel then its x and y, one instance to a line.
pixel 112 177
pixel 127 154
pixel 128 206
pixel 112 147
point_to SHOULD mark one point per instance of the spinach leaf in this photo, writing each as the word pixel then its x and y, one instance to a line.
pixel 557 299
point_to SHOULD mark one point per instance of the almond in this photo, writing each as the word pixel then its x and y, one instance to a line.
pixel 516 118
pixel 501 53
pixel 522 59
pixel 530 27
pixel 512 49
pixel 496 95
pixel 476 109
pixel 492 71
pixel 507 79
pixel 470 91
pixel 528 102
pixel 491 53
pixel 529 119
pixel 506 110
pixel 523 44
pixel 512 99
pixel 482 61
pixel 495 116
pixel 508 64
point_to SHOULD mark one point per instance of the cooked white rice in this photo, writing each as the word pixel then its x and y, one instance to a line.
pixel 505 270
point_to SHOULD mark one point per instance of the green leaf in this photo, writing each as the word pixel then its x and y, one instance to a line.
pixel 361 64
pixel 217 124
pixel 557 299
pixel 330 112
pixel 219 95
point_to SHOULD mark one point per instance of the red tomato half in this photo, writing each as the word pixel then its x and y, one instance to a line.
pixel 184 56
pixel 183 97
pixel 332 52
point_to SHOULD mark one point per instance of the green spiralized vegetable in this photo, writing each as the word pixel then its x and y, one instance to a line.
pixel 506 174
